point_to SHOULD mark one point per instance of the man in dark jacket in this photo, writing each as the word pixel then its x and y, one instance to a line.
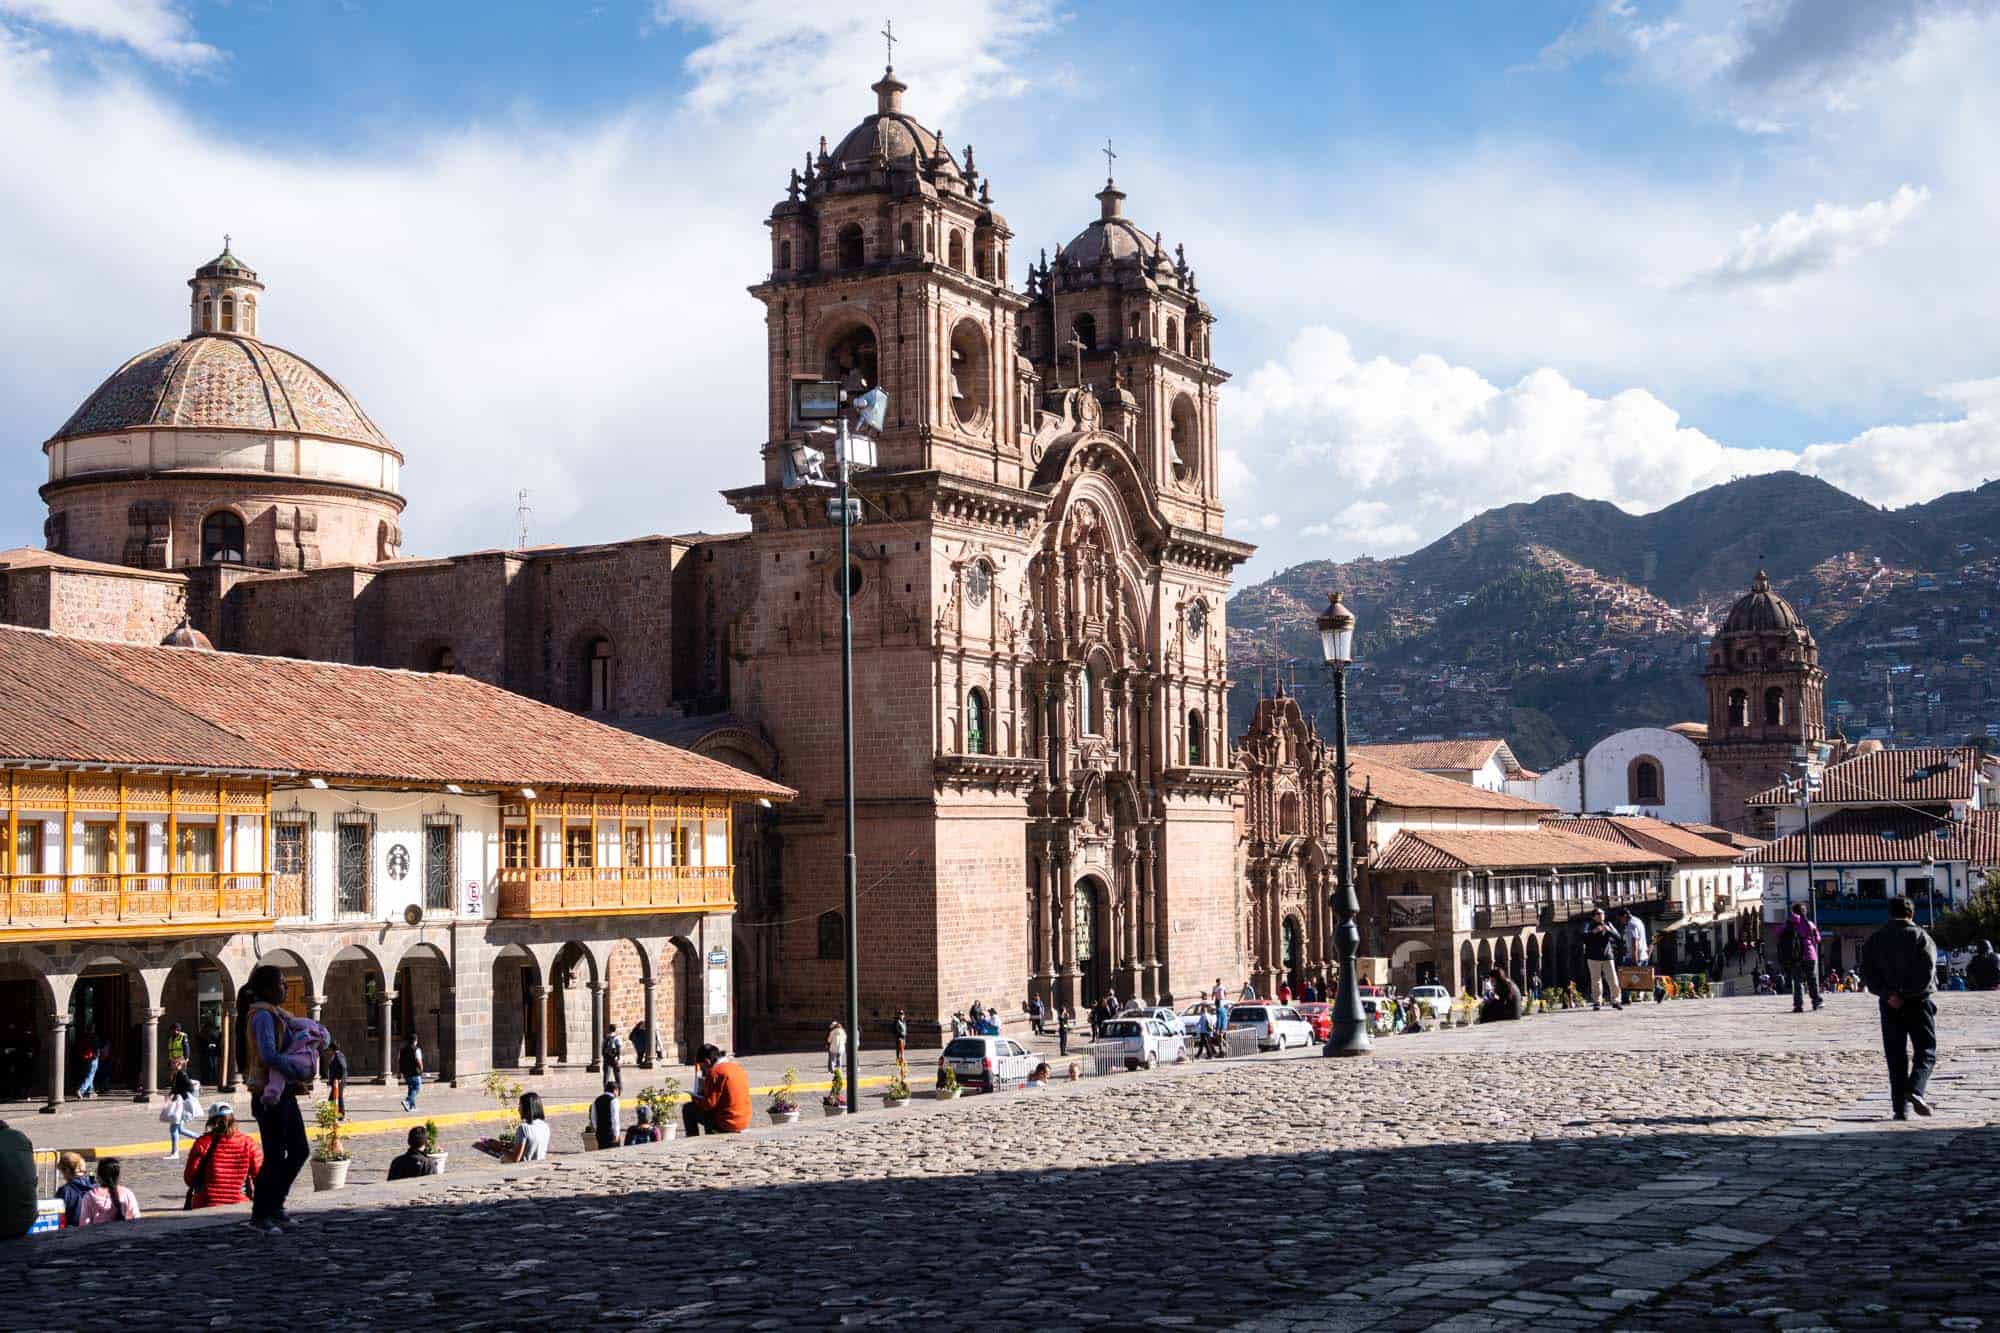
pixel 1982 971
pixel 1600 962
pixel 1899 964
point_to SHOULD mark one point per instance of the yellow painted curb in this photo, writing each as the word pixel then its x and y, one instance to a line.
pixel 405 1123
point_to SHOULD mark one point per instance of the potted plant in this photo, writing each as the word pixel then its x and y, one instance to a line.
pixel 835 1101
pixel 659 1103
pixel 329 1155
pixel 431 1150
pixel 783 1106
pixel 897 1095
pixel 947 1083
pixel 506 1094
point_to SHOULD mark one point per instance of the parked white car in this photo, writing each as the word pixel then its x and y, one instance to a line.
pixel 1147 1042
pixel 1189 1019
pixel 1158 1011
pixel 1436 1000
pixel 987 1063
pixel 1280 1026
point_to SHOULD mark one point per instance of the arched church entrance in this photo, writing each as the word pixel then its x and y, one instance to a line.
pixel 1293 959
pixel 1093 942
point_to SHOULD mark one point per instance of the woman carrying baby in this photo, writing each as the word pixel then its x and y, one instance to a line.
pixel 263 1023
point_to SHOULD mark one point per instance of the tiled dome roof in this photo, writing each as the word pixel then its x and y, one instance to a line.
pixel 1114 236
pixel 217 381
pixel 1762 611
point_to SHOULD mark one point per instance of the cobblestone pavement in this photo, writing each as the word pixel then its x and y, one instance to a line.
pixel 1717 1164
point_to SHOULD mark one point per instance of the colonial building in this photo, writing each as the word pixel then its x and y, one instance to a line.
pixel 1655 772
pixel 1708 904
pixel 1288 848
pixel 419 852
pixel 1045 786
pixel 1487 763
pixel 1766 704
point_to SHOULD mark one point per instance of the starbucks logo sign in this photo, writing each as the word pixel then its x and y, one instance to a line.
pixel 399 862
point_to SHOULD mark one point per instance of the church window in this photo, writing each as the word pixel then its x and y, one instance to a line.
pixel 250 314
pixel 229 314
pixel 785 256
pixel 956 253
pixel 1774 707
pixel 1087 720
pixel 1138 329
pixel 1173 333
pixel 597 676
pixel 850 250
pixel 1184 440
pixel 832 936
pixel 207 315
pixel 983 263
pixel 1643 783
pixel 1195 754
pixel 1288 813
pixel 1085 328
pixel 222 538
pixel 444 660
pixel 969 375
pixel 854 580
pixel 1739 708
pixel 852 351
pixel 976 741
pixel 904 239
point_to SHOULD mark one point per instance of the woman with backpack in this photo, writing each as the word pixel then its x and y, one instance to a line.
pixel 77 1183
pixel 261 1020
pixel 110 1201
pixel 220 1162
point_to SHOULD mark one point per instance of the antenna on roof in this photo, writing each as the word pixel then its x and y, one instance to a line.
pixel 521 512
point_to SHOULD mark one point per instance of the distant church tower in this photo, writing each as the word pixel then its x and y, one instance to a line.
pixel 1766 701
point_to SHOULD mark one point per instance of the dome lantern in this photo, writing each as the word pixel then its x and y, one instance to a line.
pixel 225 295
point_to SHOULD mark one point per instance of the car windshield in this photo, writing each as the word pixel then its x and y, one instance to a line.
pixel 1248 1013
pixel 966 1048
pixel 1122 1028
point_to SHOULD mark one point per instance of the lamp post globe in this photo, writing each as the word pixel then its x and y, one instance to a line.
pixel 1349 1035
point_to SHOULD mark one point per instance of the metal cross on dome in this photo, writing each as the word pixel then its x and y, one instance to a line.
pixel 889 36
pixel 1109 156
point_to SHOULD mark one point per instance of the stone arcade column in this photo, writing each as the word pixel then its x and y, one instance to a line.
pixel 1128 938
pixel 597 994
pixel 385 1007
pixel 1065 906
pixel 1149 924
pixel 149 1057
pixel 1045 951
pixel 58 1035
pixel 541 1018
pixel 228 1083
pixel 1162 947
pixel 645 1056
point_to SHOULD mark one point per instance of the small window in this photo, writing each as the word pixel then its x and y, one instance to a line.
pixel 1774 707
pixel 904 243
pixel 785 256
pixel 578 854
pixel 975 722
pixel 438 867
pixel 1196 756
pixel 229 314
pixel 445 660
pixel 851 250
pixel 222 538
pixel 352 851
pixel 514 847
pixel 1288 813
pixel 1645 785
pixel 288 847
pixel 250 315
pixel 1739 708
pixel 1085 328
pixel 956 253
pixel 832 938
pixel 854 580
pixel 207 315
pixel 635 847
pixel 1087 720
pixel 196 853
pixel 597 676
pixel 1173 333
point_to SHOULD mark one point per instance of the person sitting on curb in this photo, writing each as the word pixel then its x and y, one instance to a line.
pixel 531 1136
pixel 641 1129
pixel 604 1117
pixel 221 1163
pixel 76 1183
pixel 18 1184
pixel 722 1104
pixel 1505 1005
pixel 414 1161
pixel 1039 1077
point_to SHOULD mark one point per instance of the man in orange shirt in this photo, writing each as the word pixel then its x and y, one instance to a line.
pixel 722 1104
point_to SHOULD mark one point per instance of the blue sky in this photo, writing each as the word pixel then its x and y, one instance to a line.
pixel 1463 254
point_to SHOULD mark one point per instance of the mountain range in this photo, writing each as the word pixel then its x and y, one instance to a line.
pixel 1556 621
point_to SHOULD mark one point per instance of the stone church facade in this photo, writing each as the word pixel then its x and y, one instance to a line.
pixel 1046 795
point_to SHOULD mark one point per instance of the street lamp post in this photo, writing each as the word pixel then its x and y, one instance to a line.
pixel 1349 1035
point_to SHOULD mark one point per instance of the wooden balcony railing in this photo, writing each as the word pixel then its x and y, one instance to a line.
pixel 1510 914
pixel 615 890
pixel 50 906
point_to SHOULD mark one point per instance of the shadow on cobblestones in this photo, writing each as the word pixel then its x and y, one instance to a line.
pixel 1653 1230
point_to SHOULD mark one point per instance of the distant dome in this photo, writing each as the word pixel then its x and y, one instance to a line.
pixel 1762 611
pixel 186 636
pixel 221 381
pixel 893 136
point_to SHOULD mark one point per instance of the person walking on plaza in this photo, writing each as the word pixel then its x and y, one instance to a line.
pixel 1062 1029
pixel 1899 964
pixel 1798 949
pixel 336 1077
pixel 110 1201
pixel 958 1024
pixel 1035 1015
pixel 614 1058
pixel 178 1048
pixel 76 1183
pixel 1204 1036
pixel 413 1161
pixel 721 1105
pixel 1632 934
pixel 410 1068
pixel 86 1087
pixel 902 1035
pixel 836 1047
pixel 260 1021
pixel 19 1189
pixel 221 1162
pixel 183 1106
pixel 1600 962
pixel 604 1117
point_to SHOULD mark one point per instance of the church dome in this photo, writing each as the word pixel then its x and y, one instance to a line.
pixel 1112 234
pixel 1762 611
pixel 891 138
pixel 218 381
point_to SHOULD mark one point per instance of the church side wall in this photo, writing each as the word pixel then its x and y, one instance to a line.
pixel 623 593
pixel 296 615
pixel 1203 898
pixel 1683 774
pixel 137 609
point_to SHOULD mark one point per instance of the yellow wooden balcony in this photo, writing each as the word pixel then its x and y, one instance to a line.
pixel 58 907
pixel 615 890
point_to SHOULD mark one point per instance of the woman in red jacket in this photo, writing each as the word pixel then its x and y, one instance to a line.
pixel 221 1162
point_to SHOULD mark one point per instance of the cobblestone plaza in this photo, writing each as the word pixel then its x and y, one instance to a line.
pixel 1720 1164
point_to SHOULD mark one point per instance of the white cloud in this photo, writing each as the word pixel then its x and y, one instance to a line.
pixel 1899 465
pixel 160 30
pixel 1797 244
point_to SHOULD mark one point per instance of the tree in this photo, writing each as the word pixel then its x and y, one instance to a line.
pixel 1979 919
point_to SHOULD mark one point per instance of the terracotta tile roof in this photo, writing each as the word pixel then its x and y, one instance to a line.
pixel 1502 849
pixel 34 557
pixel 1648 835
pixel 1877 837
pixel 365 723
pixel 1716 833
pixel 57 706
pixel 1464 755
pixel 1910 776
pixel 1393 784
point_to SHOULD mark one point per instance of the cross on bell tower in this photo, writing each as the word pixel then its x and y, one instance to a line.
pixel 888 35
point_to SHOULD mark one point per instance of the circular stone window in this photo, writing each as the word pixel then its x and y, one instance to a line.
pixel 854 581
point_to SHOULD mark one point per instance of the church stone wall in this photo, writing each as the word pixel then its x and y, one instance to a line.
pixel 155 522
pixel 1204 901
pixel 92 605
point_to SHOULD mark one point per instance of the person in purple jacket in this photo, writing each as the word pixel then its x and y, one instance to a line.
pixel 1798 949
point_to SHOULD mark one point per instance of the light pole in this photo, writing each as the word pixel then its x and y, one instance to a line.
pixel 1806 783
pixel 1349 1035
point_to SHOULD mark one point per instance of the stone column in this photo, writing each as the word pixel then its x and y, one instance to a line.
pixel 228 1083
pixel 645 1056
pixel 541 1021
pixel 1149 921
pixel 1128 885
pixel 1065 906
pixel 149 1057
pixel 315 1006
pixel 447 1053
pixel 58 1036
pixel 1045 955
pixel 386 1010
pixel 597 994
pixel 1162 946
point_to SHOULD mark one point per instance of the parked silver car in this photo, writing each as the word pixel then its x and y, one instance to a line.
pixel 1277 1025
pixel 1146 1042
pixel 987 1063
